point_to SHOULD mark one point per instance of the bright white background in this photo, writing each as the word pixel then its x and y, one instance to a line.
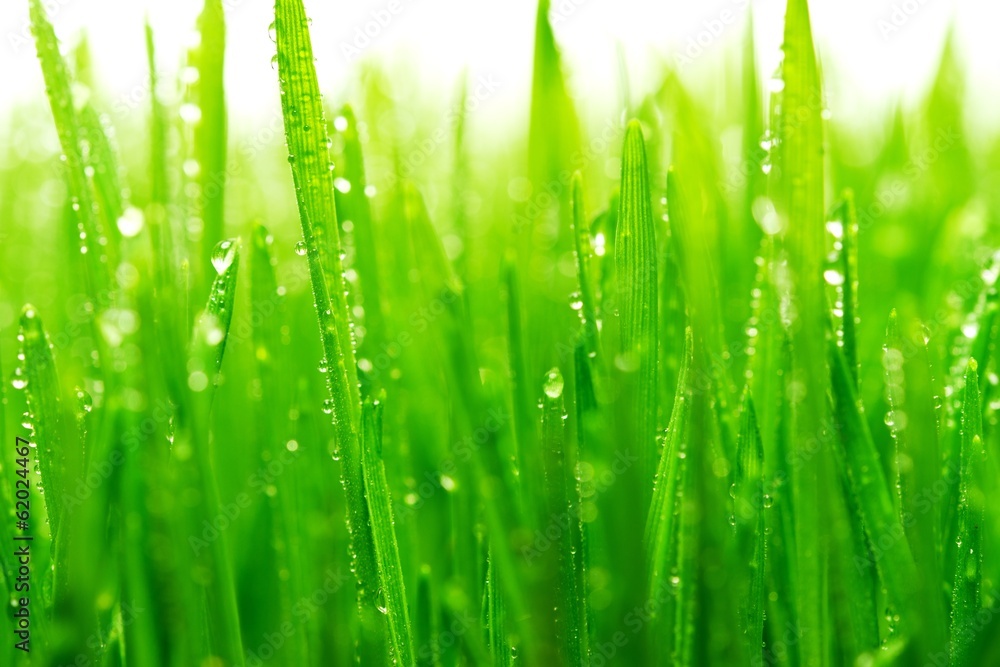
pixel 881 50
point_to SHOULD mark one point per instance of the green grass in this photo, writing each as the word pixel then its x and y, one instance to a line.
pixel 694 392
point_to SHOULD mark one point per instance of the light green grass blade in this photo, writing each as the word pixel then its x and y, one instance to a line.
pixel 354 207
pixel 559 491
pixel 308 155
pixel 495 617
pixel 849 289
pixel 586 303
pixel 798 198
pixel 663 524
pixel 393 594
pixel 966 593
pixel 41 388
pixel 206 351
pixel 748 516
pixel 59 87
pixel 635 270
pixel 210 130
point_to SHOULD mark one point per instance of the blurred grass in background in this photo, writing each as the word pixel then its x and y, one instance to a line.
pixel 798 346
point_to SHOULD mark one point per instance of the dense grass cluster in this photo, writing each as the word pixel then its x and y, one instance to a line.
pixel 737 404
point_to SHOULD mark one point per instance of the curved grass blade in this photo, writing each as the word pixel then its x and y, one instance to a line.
pixel 748 514
pixel 379 503
pixel 966 593
pixel 635 270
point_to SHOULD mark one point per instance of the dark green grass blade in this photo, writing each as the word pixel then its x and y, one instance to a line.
pixel 635 269
pixel 966 594
pixel 874 498
pixel 748 515
pixel 393 594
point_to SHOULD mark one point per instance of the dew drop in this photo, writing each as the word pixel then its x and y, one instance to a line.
pixel 223 255
pixel 554 383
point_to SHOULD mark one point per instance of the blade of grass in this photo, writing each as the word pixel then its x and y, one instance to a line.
pixel 635 270
pixel 210 131
pixel 874 499
pixel 208 345
pixel 663 524
pixel 384 536
pixel 308 155
pixel 799 201
pixel 58 85
pixel 966 594
pixel 748 514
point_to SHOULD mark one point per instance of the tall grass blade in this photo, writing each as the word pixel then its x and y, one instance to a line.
pixel 663 524
pixel 635 269
pixel 58 85
pixel 210 130
pixel 392 592
pixel 874 498
pixel 966 594
pixel 308 155
pixel 799 199
pixel 748 515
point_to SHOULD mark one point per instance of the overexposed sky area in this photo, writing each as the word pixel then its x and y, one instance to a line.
pixel 877 49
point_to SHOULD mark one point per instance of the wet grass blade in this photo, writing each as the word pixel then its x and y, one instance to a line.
pixel 663 524
pixel 896 566
pixel 966 593
pixel 210 130
pixel 70 128
pixel 390 572
pixel 560 488
pixel 41 388
pixel 748 516
pixel 799 199
pixel 308 155
pixel 635 269
pixel 586 304
pixel 206 352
